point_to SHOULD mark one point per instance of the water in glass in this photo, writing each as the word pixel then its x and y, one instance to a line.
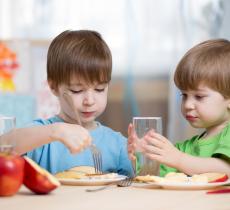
pixel 7 124
pixel 142 125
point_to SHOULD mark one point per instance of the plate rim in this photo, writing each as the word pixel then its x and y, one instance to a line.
pixel 189 185
pixel 92 181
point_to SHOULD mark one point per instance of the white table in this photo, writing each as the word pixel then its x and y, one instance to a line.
pixel 115 198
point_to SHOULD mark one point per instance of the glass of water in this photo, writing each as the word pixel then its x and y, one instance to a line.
pixel 143 165
pixel 7 124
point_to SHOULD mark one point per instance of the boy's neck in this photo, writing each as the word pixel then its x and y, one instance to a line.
pixel 214 131
pixel 89 126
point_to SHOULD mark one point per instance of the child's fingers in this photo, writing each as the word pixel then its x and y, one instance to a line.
pixel 132 157
pixel 88 141
pixel 157 136
pixel 154 157
pixel 130 129
pixel 151 149
pixel 85 144
pixel 74 150
pixel 131 148
pixel 78 146
pixel 131 152
pixel 131 141
pixel 153 141
pixel 151 131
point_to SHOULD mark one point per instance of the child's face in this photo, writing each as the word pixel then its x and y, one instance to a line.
pixel 89 101
pixel 205 108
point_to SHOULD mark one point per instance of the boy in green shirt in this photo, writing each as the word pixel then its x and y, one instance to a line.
pixel 203 76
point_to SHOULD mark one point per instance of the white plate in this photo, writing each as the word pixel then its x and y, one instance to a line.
pixel 188 185
pixel 91 181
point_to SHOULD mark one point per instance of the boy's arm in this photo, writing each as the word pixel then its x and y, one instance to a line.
pixel 73 136
pixel 196 165
pixel 159 148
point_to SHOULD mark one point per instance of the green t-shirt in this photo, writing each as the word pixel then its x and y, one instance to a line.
pixel 217 146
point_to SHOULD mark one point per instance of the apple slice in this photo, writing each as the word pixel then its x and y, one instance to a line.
pixel 216 177
pixel 38 179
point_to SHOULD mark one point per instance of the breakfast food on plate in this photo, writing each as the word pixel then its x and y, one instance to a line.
pixel 176 177
pixel 199 178
pixel 70 175
pixel 102 176
pixel 181 177
pixel 148 178
pixel 78 172
pixel 83 169
pixel 172 177
pixel 86 172
pixel 210 177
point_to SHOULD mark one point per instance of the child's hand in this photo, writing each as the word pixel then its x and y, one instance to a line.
pixel 157 147
pixel 131 142
pixel 75 137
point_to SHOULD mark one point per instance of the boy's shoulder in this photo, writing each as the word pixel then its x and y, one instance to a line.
pixel 47 121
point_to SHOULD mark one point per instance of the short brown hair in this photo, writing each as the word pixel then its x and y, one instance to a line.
pixel 207 63
pixel 83 53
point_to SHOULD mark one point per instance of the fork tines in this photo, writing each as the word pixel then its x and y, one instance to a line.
pixel 97 159
pixel 126 182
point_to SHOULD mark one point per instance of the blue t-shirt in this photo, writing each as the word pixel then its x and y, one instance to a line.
pixel 55 157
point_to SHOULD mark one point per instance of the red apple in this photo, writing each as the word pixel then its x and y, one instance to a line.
pixel 11 174
pixel 216 177
pixel 38 179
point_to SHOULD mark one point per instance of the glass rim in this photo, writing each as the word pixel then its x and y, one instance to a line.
pixel 7 118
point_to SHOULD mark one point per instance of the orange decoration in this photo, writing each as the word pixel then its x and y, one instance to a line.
pixel 8 65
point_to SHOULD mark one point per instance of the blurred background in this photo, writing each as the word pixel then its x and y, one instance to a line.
pixel 147 39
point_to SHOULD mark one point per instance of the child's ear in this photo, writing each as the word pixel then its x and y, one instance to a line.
pixel 53 88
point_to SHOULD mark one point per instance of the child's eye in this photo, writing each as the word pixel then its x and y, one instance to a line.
pixel 100 89
pixel 75 91
pixel 199 97
pixel 183 95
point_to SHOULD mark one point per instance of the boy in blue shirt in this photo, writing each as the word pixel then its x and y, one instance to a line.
pixel 78 63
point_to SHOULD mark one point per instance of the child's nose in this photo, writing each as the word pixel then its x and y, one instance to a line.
pixel 189 104
pixel 88 98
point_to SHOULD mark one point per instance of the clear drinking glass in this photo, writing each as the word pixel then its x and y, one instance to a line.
pixel 142 125
pixel 7 124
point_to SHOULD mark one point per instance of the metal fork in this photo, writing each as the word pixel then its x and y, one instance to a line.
pixel 97 158
pixel 126 182
pixel 96 153
pixel 123 183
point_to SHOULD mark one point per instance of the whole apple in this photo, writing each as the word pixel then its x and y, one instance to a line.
pixel 11 173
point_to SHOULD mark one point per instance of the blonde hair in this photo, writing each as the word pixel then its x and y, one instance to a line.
pixel 207 63
pixel 82 54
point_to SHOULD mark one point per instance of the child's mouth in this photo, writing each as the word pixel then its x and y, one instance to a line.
pixel 87 114
pixel 190 118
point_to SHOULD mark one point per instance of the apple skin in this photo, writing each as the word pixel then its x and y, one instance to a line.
pixel 213 177
pixel 219 178
pixel 11 174
pixel 38 179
